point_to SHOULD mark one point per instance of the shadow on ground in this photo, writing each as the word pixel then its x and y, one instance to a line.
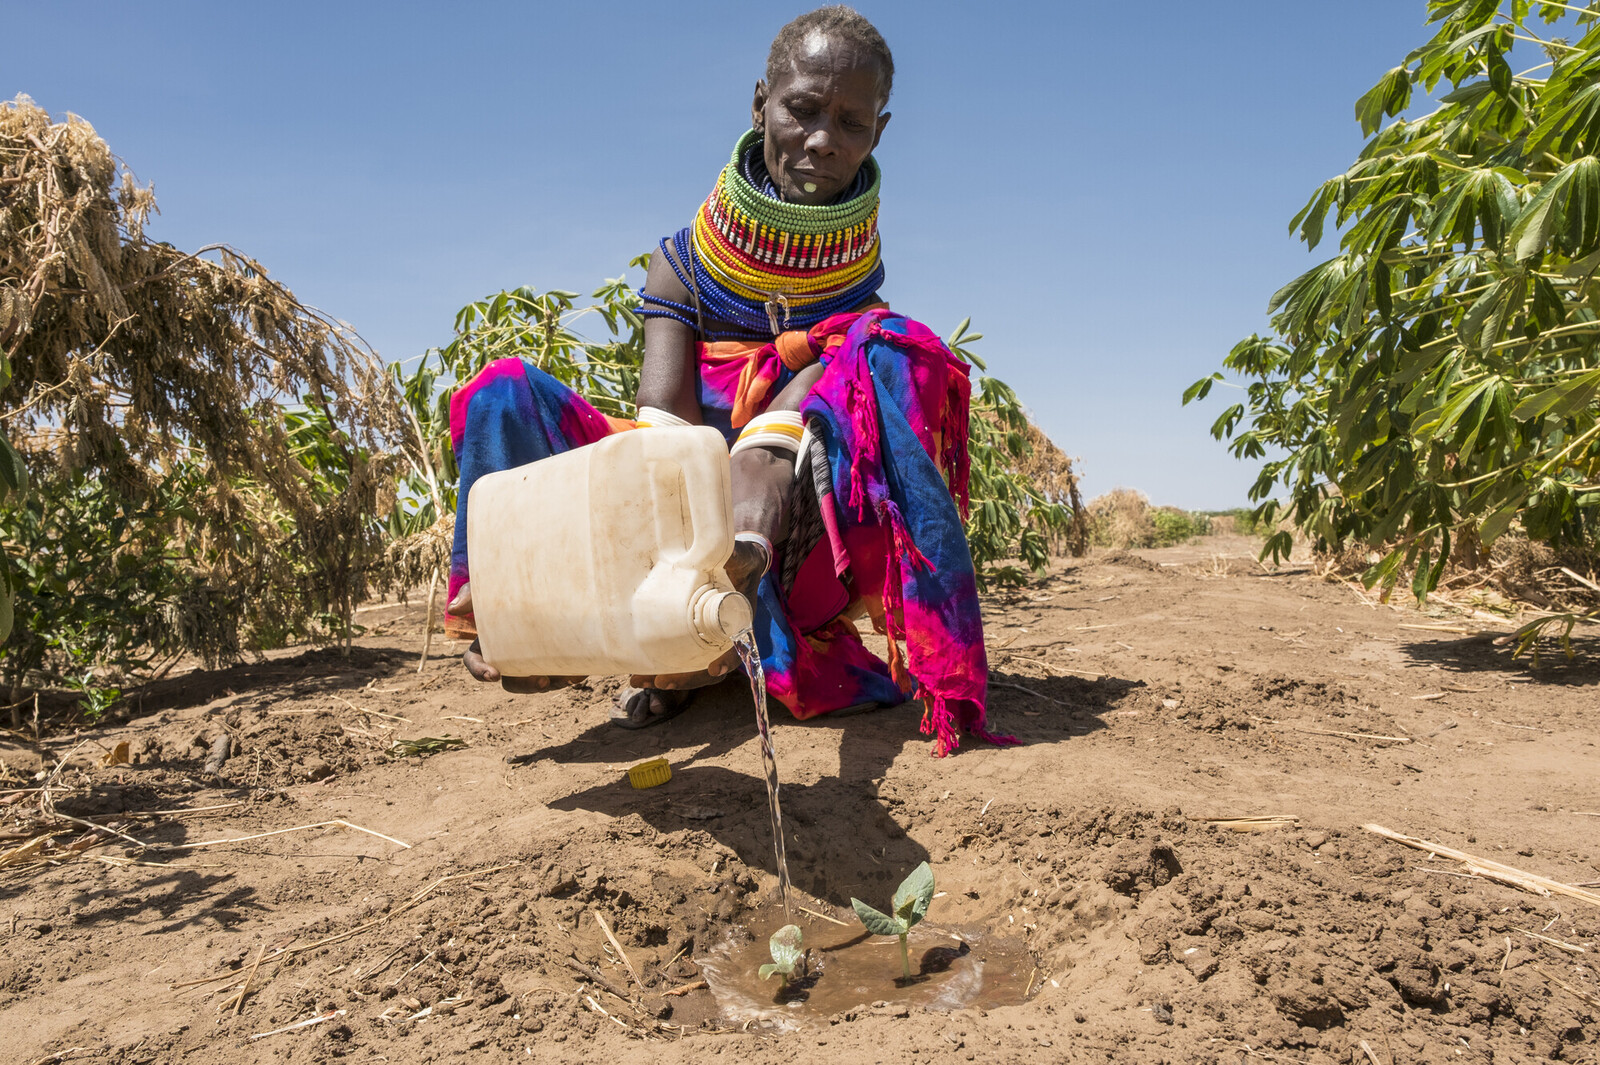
pixel 1482 654
pixel 825 860
pixel 309 671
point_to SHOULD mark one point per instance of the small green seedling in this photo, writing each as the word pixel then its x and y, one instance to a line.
pixel 911 901
pixel 786 955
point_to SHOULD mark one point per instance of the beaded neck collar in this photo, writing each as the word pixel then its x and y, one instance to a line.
pixel 786 261
pixel 750 154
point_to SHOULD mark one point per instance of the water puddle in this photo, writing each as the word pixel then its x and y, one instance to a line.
pixel 846 968
pixel 746 645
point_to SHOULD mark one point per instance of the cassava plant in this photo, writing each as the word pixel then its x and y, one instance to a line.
pixel 1436 383
pixel 1024 493
pixel 787 955
pixel 910 904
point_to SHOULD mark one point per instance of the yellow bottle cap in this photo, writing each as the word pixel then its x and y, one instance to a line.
pixel 649 774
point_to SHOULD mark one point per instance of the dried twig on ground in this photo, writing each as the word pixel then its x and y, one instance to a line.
pixel 1570 948
pixel 626 964
pixel 686 988
pixel 1491 870
pixel 1030 691
pixel 1351 735
pixel 330 1015
pixel 238 1000
pixel 1262 823
pixel 278 832
pixel 1568 988
pixel 825 917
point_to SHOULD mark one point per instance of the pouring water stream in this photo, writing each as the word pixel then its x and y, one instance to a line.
pixel 745 643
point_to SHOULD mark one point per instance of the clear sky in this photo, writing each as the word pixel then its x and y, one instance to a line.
pixel 1105 188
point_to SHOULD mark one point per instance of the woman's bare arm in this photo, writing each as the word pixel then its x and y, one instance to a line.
pixel 667 378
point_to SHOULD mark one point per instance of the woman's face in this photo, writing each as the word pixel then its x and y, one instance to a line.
pixel 820 119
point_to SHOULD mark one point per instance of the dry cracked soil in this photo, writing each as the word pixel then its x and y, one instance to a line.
pixel 450 905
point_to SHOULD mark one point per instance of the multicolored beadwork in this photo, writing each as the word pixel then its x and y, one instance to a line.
pixel 765 265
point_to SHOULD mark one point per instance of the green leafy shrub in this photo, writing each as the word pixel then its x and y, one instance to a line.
pixel 217 451
pixel 1437 382
pixel 1174 526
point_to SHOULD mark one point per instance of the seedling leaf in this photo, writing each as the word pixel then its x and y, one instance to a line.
pixel 786 954
pixel 879 924
pixel 785 947
pixel 914 895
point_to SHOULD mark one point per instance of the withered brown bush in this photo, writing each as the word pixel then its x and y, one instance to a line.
pixel 135 361
pixel 1050 470
pixel 1121 518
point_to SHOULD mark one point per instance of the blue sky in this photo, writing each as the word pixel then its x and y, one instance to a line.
pixel 1105 188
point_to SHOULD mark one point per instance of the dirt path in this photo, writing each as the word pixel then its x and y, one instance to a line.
pixel 1151 692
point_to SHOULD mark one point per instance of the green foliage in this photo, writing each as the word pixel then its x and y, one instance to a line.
pixel 1013 514
pixel 423 746
pixel 910 905
pixel 177 503
pixel 89 583
pixel 1174 526
pixel 109 580
pixel 786 955
pixel 1438 380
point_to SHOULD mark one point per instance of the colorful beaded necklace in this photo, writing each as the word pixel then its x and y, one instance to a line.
pixel 763 265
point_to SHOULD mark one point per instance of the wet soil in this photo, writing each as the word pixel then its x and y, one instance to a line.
pixel 1153 692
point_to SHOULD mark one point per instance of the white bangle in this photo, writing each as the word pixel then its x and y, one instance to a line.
pixel 780 429
pixel 656 418
pixel 761 542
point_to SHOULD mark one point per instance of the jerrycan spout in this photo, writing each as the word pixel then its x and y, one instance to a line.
pixel 721 617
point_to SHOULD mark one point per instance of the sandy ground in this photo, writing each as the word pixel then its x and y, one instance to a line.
pixel 1151 691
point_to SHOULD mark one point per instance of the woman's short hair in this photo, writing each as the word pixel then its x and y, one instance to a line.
pixel 841 23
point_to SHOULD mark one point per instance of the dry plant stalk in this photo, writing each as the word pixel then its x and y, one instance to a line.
pixel 684 989
pixel 626 964
pixel 1491 870
pixel 1050 470
pixel 1568 988
pixel 278 832
pixel 139 363
pixel 1264 823
pixel 1351 735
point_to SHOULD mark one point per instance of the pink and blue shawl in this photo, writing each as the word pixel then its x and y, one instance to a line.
pixel 891 412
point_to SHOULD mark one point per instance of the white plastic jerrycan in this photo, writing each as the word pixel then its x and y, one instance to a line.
pixel 607 558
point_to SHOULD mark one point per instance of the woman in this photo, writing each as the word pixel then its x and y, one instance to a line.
pixel 847 423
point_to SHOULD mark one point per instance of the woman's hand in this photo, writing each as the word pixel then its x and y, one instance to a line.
pixel 481 670
pixel 745 569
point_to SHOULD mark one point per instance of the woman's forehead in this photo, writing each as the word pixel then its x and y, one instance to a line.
pixel 821 58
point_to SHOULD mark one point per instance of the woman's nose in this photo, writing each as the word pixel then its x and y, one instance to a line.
pixel 820 140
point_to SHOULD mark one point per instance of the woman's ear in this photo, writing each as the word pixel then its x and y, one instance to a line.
pixel 883 120
pixel 758 108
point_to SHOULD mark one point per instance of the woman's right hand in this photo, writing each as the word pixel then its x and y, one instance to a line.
pixel 481 670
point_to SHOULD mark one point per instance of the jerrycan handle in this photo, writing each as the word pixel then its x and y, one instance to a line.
pixel 706 483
